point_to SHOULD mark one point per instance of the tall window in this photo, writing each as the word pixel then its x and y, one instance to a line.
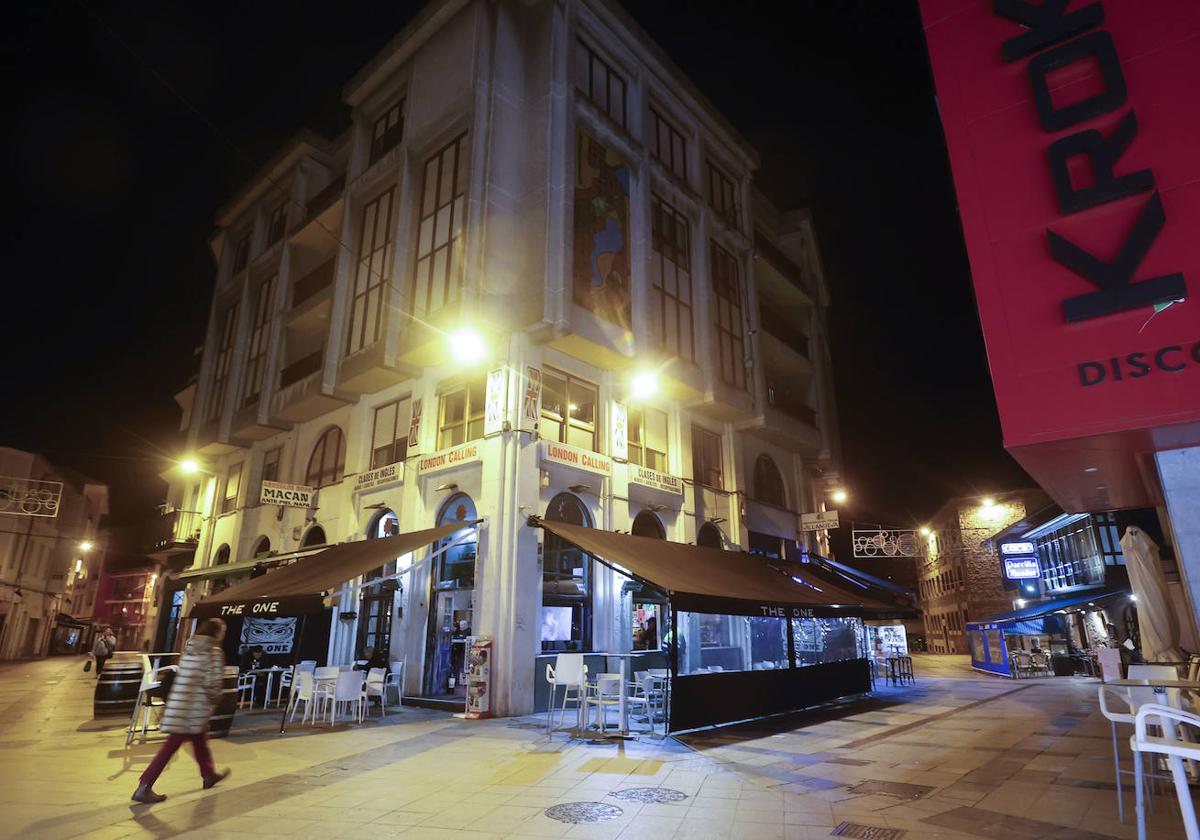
pixel 277 224
pixel 438 278
pixel 389 435
pixel 220 380
pixel 668 144
pixel 260 333
pixel 568 409
pixel 241 253
pixel 328 460
pixel 706 457
pixel 388 131
pixel 233 483
pixel 461 414
pixel 768 482
pixel 270 467
pixel 648 438
pixel 566 581
pixel 596 80
pixel 722 196
pixel 671 280
pixel 727 307
pixel 371 273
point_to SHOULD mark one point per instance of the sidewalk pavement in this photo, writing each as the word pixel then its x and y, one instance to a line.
pixel 958 755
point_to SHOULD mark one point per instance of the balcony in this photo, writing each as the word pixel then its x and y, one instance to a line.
pixel 313 283
pixel 174 532
pixel 325 198
pixel 302 394
pixel 786 333
pixel 788 421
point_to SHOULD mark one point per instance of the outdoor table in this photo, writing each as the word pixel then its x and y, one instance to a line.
pixel 622 731
pixel 1160 687
pixel 270 672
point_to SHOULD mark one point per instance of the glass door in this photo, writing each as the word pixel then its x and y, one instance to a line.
pixel 451 601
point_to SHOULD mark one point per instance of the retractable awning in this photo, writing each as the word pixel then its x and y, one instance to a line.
pixel 1046 608
pixel 301 588
pixel 714 581
pixel 192 575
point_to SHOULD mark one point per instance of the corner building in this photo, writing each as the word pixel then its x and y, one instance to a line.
pixel 542 175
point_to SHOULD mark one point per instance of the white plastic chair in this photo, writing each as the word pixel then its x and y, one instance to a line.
pixel 305 690
pixel 1170 744
pixel 641 693
pixel 376 687
pixel 348 689
pixel 604 693
pixel 245 689
pixel 395 679
pixel 569 672
pixel 1129 700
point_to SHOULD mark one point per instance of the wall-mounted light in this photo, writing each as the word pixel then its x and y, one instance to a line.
pixel 644 385
pixel 717 520
pixel 655 508
pixel 925 531
pixel 580 488
pixel 466 346
pixel 839 496
pixel 447 486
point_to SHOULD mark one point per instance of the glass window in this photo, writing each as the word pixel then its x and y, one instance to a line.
pixel 768 482
pixel 722 196
pixel 710 536
pixel 389 437
pixel 220 380
pixel 438 277
pixel 568 409
pixel 241 253
pixel 714 643
pixel 671 280
pixel 821 640
pixel 270 470
pixel 372 273
pixel 648 438
pixel 327 463
pixel 260 335
pixel 727 306
pixel 277 224
pixel 461 414
pixel 388 131
pixel 566 582
pixel 668 145
pixel 596 80
pixel 456 565
pixel 706 458
pixel 233 482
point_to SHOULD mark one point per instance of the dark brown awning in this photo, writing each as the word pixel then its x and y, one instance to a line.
pixel 715 581
pixel 301 587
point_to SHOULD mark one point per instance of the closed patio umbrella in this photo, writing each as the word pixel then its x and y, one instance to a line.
pixel 1156 614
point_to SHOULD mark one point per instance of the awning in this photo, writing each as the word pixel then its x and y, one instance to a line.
pixel 1046 608
pixel 228 569
pixel 714 581
pixel 301 587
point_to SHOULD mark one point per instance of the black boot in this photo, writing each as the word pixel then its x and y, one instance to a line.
pixel 146 795
pixel 209 781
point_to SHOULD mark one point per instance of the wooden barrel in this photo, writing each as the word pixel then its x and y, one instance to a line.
pixel 222 719
pixel 117 689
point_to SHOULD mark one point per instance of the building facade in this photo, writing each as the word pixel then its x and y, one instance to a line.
pixel 456 310
pixel 51 555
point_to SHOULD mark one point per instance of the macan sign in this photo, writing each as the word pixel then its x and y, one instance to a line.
pixel 1072 129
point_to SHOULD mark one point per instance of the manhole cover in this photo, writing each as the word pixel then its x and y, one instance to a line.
pixel 867 832
pixel 583 812
pixel 649 794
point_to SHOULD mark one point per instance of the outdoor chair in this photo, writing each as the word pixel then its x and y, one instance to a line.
pixel 569 672
pixel 395 679
pixel 1170 743
pixel 305 691
pixel 1129 701
pixel 603 694
pixel 376 687
pixel 245 689
pixel 1039 663
pixel 347 689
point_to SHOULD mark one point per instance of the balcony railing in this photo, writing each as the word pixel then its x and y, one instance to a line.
pixel 778 326
pixel 329 194
pixel 313 283
pixel 301 368
pixel 791 405
pixel 174 528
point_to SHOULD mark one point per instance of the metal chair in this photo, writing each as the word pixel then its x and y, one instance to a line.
pixel 601 695
pixel 1176 750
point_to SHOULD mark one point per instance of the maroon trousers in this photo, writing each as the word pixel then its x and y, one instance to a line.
pixel 170 746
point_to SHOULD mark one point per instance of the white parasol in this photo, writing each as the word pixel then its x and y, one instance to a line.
pixel 1156 614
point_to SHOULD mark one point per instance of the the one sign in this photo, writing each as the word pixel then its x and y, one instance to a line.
pixel 620 431
pixel 455 456
pixel 414 428
pixel 274 635
pixel 820 521
pixel 1020 549
pixel 1068 128
pixel 1021 568
pixel 30 497
pixel 656 480
pixel 380 477
pixel 496 402
pixel 876 542
pixel 572 456
pixel 531 405
pixel 286 495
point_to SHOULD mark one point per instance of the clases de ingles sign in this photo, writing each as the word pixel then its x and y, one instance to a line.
pixel 1073 131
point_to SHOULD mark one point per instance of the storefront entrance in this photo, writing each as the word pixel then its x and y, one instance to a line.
pixel 451 600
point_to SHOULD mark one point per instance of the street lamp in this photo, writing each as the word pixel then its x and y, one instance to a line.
pixel 839 496
pixel 925 532
pixel 85 546
pixel 467 346
pixel 189 466
pixel 644 385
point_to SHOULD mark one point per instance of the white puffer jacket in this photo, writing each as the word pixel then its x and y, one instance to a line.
pixel 196 689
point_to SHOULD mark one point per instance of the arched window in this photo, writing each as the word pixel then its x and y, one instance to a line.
pixel 222 556
pixel 710 536
pixel 768 483
pixel 456 565
pixel 385 523
pixel 376 600
pixel 646 524
pixel 222 583
pixel 315 536
pixel 566 581
pixel 263 546
pixel 328 459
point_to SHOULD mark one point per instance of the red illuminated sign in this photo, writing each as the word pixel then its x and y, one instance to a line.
pixel 1072 129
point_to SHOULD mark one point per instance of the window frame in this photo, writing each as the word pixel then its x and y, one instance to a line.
pixel 658 122
pixel 671 259
pixel 381 141
pixel 222 364
pixel 636 437
pixel 398 448
pixel 260 338
pixel 729 313
pixel 376 264
pixel 337 470
pixel 590 92
pixel 241 254
pixel 701 469
pixel 475 385
pixel 233 479
pixel 277 223
pixel 268 462
pixel 765 469
pixel 567 424
pixel 426 254
pixel 722 195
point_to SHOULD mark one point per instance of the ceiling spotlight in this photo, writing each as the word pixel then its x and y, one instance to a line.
pixel 1133 596
pixel 1091 469
pixel 1020 602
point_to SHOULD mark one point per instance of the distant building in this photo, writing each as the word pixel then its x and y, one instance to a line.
pixel 960 579
pixel 49 564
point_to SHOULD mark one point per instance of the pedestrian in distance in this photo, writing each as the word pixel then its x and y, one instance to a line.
pixel 101 651
pixel 194 696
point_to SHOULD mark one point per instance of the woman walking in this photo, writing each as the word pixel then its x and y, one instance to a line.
pixel 194 694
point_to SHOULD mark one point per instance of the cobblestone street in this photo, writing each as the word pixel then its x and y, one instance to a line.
pixel 959 755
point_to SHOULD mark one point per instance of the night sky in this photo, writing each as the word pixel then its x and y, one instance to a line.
pixel 133 122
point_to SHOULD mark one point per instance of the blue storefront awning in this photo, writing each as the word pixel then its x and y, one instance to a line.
pixel 1046 608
